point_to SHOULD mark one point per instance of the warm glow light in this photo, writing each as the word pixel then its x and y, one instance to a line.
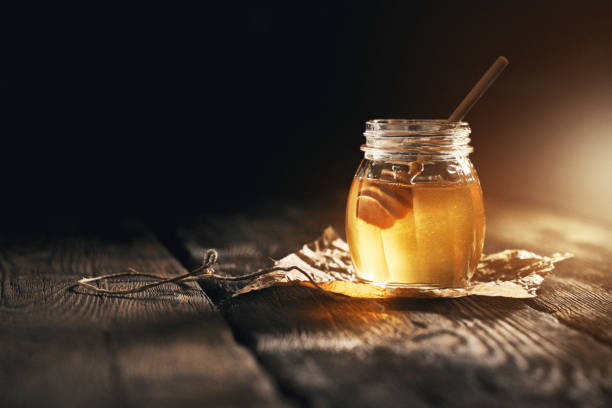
pixel 587 160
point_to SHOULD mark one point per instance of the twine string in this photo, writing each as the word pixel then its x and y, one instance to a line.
pixel 203 271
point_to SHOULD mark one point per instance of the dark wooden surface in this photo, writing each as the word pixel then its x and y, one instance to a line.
pixel 63 347
pixel 194 345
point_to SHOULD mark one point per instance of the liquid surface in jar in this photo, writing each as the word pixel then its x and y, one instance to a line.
pixel 427 234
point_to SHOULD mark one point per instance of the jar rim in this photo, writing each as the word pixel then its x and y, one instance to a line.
pixel 415 126
pixel 410 121
pixel 401 137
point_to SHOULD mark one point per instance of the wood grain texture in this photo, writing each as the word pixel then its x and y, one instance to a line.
pixel 338 351
pixel 62 346
pixel 579 292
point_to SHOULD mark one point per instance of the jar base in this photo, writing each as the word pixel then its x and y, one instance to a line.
pixel 397 285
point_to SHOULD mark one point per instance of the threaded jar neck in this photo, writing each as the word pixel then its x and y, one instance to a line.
pixel 403 139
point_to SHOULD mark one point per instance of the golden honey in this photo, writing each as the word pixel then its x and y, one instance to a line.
pixel 427 234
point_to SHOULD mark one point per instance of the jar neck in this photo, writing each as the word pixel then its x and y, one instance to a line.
pixel 407 139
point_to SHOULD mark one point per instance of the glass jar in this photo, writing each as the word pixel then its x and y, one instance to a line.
pixel 415 216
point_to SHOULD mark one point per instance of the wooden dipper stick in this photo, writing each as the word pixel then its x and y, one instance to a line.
pixel 479 89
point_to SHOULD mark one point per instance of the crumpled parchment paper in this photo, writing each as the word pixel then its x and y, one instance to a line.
pixel 514 273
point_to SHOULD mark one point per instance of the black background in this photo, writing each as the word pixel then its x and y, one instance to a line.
pixel 152 109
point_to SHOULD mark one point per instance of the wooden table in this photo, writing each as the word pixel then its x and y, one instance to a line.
pixel 193 345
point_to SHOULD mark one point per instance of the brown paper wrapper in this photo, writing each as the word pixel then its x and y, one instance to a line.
pixel 514 273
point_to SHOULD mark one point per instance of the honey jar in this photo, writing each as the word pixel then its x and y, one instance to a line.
pixel 415 214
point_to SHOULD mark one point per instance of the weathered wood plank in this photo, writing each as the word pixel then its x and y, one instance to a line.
pixel 337 351
pixel 479 351
pixel 579 293
pixel 61 346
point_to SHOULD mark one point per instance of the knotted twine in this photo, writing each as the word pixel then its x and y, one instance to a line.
pixel 203 271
